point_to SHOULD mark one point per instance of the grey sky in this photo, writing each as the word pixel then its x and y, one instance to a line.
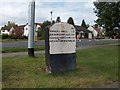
pixel 17 11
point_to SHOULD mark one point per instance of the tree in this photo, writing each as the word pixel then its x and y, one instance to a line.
pixel 70 21
pixel 45 23
pixel 58 19
pixel 8 25
pixel 96 25
pixel 84 24
pixel 41 32
pixel 53 21
pixel 87 25
pixel 108 15
pixel 11 24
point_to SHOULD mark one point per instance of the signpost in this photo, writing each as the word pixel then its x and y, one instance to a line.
pixel 60 47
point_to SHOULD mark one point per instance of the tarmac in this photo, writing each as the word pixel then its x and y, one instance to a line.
pixel 12 54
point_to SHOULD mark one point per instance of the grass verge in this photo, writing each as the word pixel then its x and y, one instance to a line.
pixel 108 42
pixel 95 67
pixel 12 40
pixel 19 49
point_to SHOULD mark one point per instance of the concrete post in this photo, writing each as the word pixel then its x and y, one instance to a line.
pixel 31 20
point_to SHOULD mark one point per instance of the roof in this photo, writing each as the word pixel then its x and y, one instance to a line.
pixel 5 28
pixel 78 28
pixel 22 26
pixel 40 24
pixel 81 28
pixel 17 28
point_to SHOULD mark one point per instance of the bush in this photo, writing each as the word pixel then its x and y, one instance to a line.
pixel 5 36
pixel 41 34
pixel 0 36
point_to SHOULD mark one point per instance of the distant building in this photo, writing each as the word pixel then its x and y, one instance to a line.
pixel 94 32
pixel 82 32
pixel 16 32
pixel 25 30
pixel 37 26
pixel 97 32
pixel 5 30
pixel 19 31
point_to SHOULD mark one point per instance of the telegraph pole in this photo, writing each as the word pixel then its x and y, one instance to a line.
pixel 31 20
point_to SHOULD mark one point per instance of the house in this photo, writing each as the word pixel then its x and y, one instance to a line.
pixel 82 32
pixel 22 28
pixel 93 30
pixel 37 26
pixel 116 33
pixel 5 30
pixel 16 32
pixel 98 33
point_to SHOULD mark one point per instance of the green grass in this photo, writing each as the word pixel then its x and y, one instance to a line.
pixel 19 49
pixel 95 67
pixel 12 40
pixel 108 42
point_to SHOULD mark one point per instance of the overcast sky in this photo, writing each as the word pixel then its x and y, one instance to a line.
pixel 17 11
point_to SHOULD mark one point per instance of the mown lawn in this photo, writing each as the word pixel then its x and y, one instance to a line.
pixel 95 67
pixel 11 40
pixel 21 49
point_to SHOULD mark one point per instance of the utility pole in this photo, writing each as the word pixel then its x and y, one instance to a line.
pixel 31 20
pixel 51 16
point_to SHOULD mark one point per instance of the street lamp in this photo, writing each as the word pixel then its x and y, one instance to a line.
pixel 31 21
pixel 51 16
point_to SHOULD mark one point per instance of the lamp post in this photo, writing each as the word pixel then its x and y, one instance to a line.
pixel 31 20
pixel 51 16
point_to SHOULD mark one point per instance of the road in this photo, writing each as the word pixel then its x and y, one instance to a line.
pixel 42 42
pixel 13 54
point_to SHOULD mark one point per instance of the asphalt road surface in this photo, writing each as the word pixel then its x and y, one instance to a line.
pixel 42 42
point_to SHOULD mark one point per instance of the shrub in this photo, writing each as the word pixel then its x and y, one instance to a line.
pixel 5 36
